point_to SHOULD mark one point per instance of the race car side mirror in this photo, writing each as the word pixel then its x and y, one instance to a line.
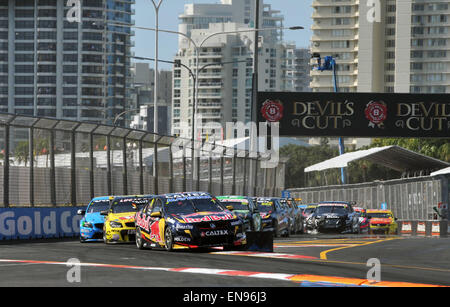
pixel 156 214
pixel 81 212
pixel 104 212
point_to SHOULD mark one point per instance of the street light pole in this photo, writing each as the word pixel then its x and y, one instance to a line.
pixel 156 83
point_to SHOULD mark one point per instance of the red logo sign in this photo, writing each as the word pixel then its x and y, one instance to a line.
pixel 376 113
pixel 272 110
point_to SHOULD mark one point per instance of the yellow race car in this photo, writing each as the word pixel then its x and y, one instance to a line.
pixel 119 226
pixel 382 221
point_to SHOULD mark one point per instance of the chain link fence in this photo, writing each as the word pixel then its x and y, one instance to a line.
pixel 409 199
pixel 50 162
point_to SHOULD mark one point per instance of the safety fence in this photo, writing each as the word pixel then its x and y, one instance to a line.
pixel 409 199
pixel 50 162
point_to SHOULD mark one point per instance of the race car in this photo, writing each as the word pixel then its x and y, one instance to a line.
pixel 307 213
pixel 91 225
pixel 296 215
pixel 382 221
pixel 119 226
pixel 362 223
pixel 334 216
pixel 275 216
pixel 245 208
pixel 188 221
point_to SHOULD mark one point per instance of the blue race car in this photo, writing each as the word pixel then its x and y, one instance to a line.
pixel 91 225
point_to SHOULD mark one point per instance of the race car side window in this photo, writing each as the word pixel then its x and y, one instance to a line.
pixel 157 205
pixel 148 210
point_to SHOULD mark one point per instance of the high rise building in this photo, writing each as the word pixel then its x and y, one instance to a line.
pixel 226 64
pixel 52 67
pixel 396 46
pixel 295 70
pixel 143 87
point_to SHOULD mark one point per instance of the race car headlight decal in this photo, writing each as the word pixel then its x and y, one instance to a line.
pixel 114 224
pixel 87 225
pixel 184 226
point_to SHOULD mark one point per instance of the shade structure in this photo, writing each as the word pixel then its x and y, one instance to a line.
pixel 394 157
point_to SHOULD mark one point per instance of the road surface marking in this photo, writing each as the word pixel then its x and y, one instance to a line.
pixel 323 255
pixel 297 278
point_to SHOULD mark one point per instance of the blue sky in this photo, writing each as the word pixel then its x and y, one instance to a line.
pixel 296 12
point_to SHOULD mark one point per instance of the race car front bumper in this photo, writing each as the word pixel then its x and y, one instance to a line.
pixel 91 234
pixel 121 235
pixel 380 229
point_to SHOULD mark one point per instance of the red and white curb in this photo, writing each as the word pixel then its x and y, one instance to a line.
pixel 265 255
pixel 220 272
pixel 297 278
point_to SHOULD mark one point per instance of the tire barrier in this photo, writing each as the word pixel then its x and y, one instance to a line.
pixel 260 241
pixel 423 228
pixel 39 223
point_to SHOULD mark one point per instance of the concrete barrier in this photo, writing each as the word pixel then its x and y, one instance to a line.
pixel 39 223
pixel 423 228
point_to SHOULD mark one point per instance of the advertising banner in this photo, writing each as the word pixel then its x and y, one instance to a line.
pixel 37 223
pixel 356 114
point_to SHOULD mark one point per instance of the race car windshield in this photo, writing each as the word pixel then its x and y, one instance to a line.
pixel 309 210
pixel 98 206
pixel 128 206
pixel 237 205
pixel 265 206
pixel 331 209
pixel 379 215
pixel 188 206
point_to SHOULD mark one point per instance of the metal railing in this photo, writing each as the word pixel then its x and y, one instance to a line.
pixel 51 162
pixel 409 199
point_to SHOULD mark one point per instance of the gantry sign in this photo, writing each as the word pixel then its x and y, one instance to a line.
pixel 356 114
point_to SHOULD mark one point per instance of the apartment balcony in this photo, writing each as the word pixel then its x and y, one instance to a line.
pixel 211 115
pixel 210 55
pixel 330 38
pixel 333 3
pixel 210 106
pixel 210 84
pixel 206 95
pixel 210 75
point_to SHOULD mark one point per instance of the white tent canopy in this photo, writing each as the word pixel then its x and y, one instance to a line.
pixel 393 157
pixel 445 171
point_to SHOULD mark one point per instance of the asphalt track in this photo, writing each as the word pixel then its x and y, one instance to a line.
pixel 298 260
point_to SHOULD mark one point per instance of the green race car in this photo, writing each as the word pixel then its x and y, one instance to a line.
pixel 245 208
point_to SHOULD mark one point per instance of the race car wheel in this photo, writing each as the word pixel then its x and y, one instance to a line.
pixel 288 232
pixel 275 230
pixel 104 238
pixel 82 240
pixel 301 229
pixel 139 241
pixel 168 240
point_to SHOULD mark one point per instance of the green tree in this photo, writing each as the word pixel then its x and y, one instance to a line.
pixel 22 152
pixel 301 157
